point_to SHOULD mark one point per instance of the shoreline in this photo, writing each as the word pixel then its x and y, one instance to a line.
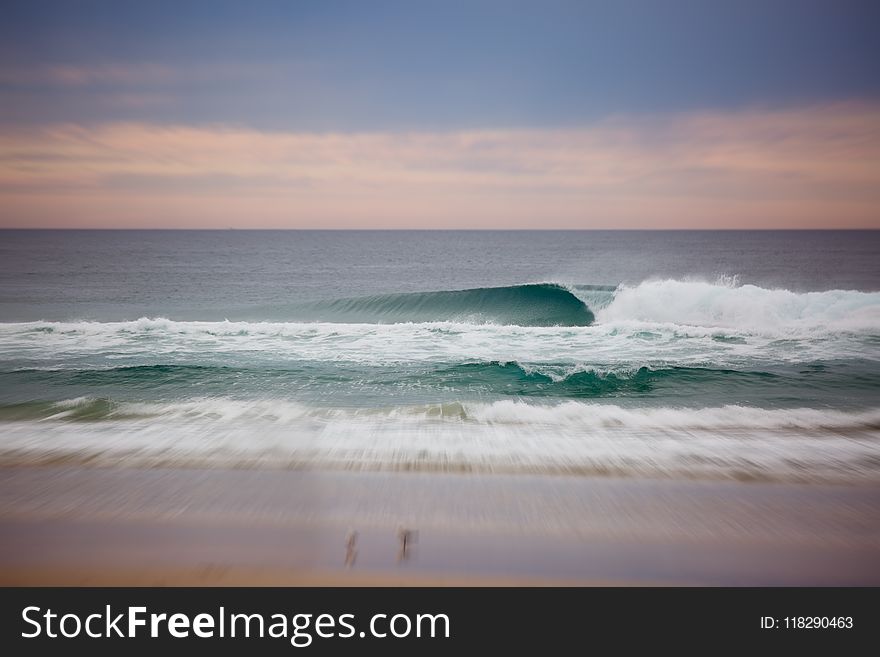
pixel 113 526
pixel 137 462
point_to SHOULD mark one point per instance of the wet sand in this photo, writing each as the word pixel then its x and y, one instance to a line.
pixel 115 526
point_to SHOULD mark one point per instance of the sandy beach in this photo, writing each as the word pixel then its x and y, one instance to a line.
pixel 115 526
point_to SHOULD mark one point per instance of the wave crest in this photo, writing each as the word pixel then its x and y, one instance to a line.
pixel 539 304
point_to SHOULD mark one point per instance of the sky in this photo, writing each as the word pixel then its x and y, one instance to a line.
pixel 421 114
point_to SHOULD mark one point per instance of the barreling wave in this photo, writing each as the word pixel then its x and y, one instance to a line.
pixel 721 304
pixel 576 438
pixel 539 304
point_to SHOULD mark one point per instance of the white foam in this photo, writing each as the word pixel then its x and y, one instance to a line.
pixel 588 416
pixel 722 442
pixel 748 308
pixel 618 345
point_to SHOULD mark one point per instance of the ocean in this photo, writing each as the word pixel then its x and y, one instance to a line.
pixel 744 355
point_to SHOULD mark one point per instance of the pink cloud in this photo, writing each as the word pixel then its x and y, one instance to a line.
pixel 800 167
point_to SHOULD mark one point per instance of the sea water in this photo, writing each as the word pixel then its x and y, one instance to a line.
pixel 745 355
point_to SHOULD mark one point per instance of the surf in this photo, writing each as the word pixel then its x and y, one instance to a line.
pixel 746 308
pixel 508 436
pixel 539 304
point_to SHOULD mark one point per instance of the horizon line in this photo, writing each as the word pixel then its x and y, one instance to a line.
pixel 447 230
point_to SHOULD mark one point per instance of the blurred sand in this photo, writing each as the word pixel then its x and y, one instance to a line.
pixel 113 526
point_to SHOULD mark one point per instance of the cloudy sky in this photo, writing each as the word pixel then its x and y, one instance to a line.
pixel 421 114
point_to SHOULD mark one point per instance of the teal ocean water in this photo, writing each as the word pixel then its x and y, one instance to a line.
pixel 746 355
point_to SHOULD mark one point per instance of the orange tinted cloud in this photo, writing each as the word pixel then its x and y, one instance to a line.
pixel 808 167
